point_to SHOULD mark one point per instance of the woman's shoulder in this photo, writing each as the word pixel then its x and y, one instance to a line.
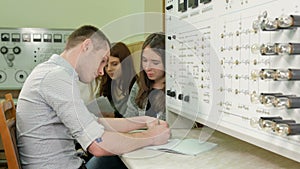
pixel 135 87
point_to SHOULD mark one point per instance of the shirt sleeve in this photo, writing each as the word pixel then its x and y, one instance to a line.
pixel 60 90
pixel 132 108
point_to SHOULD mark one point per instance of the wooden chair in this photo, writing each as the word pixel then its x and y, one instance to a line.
pixel 8 132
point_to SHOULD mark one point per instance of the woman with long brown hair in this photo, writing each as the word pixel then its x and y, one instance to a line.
pixel 147 96
pixel 118 78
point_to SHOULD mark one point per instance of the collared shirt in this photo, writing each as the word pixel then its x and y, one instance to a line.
pixel 51 115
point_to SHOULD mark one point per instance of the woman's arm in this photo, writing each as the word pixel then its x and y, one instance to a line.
pixel 132 108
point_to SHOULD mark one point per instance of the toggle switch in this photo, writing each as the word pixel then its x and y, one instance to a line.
pixel 169 7
pixel 187 98
pixel 171 93
pixel 180 96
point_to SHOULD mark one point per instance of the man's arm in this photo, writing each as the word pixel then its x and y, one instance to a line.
pixel 119 143
pixel 128 124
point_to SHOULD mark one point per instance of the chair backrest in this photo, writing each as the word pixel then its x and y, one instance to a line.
pixel 8 131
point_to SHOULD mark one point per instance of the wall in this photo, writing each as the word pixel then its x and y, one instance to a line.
pixel 124 20
pixel 121 20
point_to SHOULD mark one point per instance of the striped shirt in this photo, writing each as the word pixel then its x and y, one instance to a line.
pixel 51 115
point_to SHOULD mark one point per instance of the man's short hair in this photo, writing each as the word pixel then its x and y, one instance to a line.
pixel 87 32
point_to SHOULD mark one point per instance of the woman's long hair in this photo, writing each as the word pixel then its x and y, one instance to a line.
pixel 125 82
pixel 156 41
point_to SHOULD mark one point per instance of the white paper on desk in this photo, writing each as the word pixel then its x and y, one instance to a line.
pixel 100 104
pixel 185 146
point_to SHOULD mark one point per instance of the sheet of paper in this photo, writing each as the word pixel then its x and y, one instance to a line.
pixel 100 104
pixel 185 146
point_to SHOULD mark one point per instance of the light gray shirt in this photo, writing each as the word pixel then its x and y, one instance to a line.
pixel 51 115
pixel 132 108
pixel 119 100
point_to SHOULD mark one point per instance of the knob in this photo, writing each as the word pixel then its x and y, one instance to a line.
pixel 17 50
pixel 4 50
pixel 10 57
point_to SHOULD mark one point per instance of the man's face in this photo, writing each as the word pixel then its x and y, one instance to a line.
pixel 91 63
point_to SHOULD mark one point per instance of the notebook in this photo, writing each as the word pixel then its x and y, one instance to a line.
pixel 100 104
pixel 185 146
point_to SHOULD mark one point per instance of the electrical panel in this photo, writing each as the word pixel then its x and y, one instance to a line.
pixel 21 49
pixel 234 65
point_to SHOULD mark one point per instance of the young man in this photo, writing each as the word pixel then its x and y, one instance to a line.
pixel 51 114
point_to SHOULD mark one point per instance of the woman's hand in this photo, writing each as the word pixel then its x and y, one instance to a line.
pixel 151 122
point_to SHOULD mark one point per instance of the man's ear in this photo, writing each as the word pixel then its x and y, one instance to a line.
pixel 86 45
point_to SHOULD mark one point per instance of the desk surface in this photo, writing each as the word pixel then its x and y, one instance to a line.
pixel 229 153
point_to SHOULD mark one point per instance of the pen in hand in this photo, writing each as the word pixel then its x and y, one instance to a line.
pixel 158 116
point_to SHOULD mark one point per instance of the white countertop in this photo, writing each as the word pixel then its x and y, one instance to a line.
pixel 229 153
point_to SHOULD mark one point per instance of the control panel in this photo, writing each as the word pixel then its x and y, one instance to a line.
pixel 234 65
pixel 21 49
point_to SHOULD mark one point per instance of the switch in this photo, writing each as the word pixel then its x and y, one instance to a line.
pixel 180 96
pixel 171 93
pixel 169 7
pixel 187 98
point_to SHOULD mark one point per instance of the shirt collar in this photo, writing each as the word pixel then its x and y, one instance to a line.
pixel 62 62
